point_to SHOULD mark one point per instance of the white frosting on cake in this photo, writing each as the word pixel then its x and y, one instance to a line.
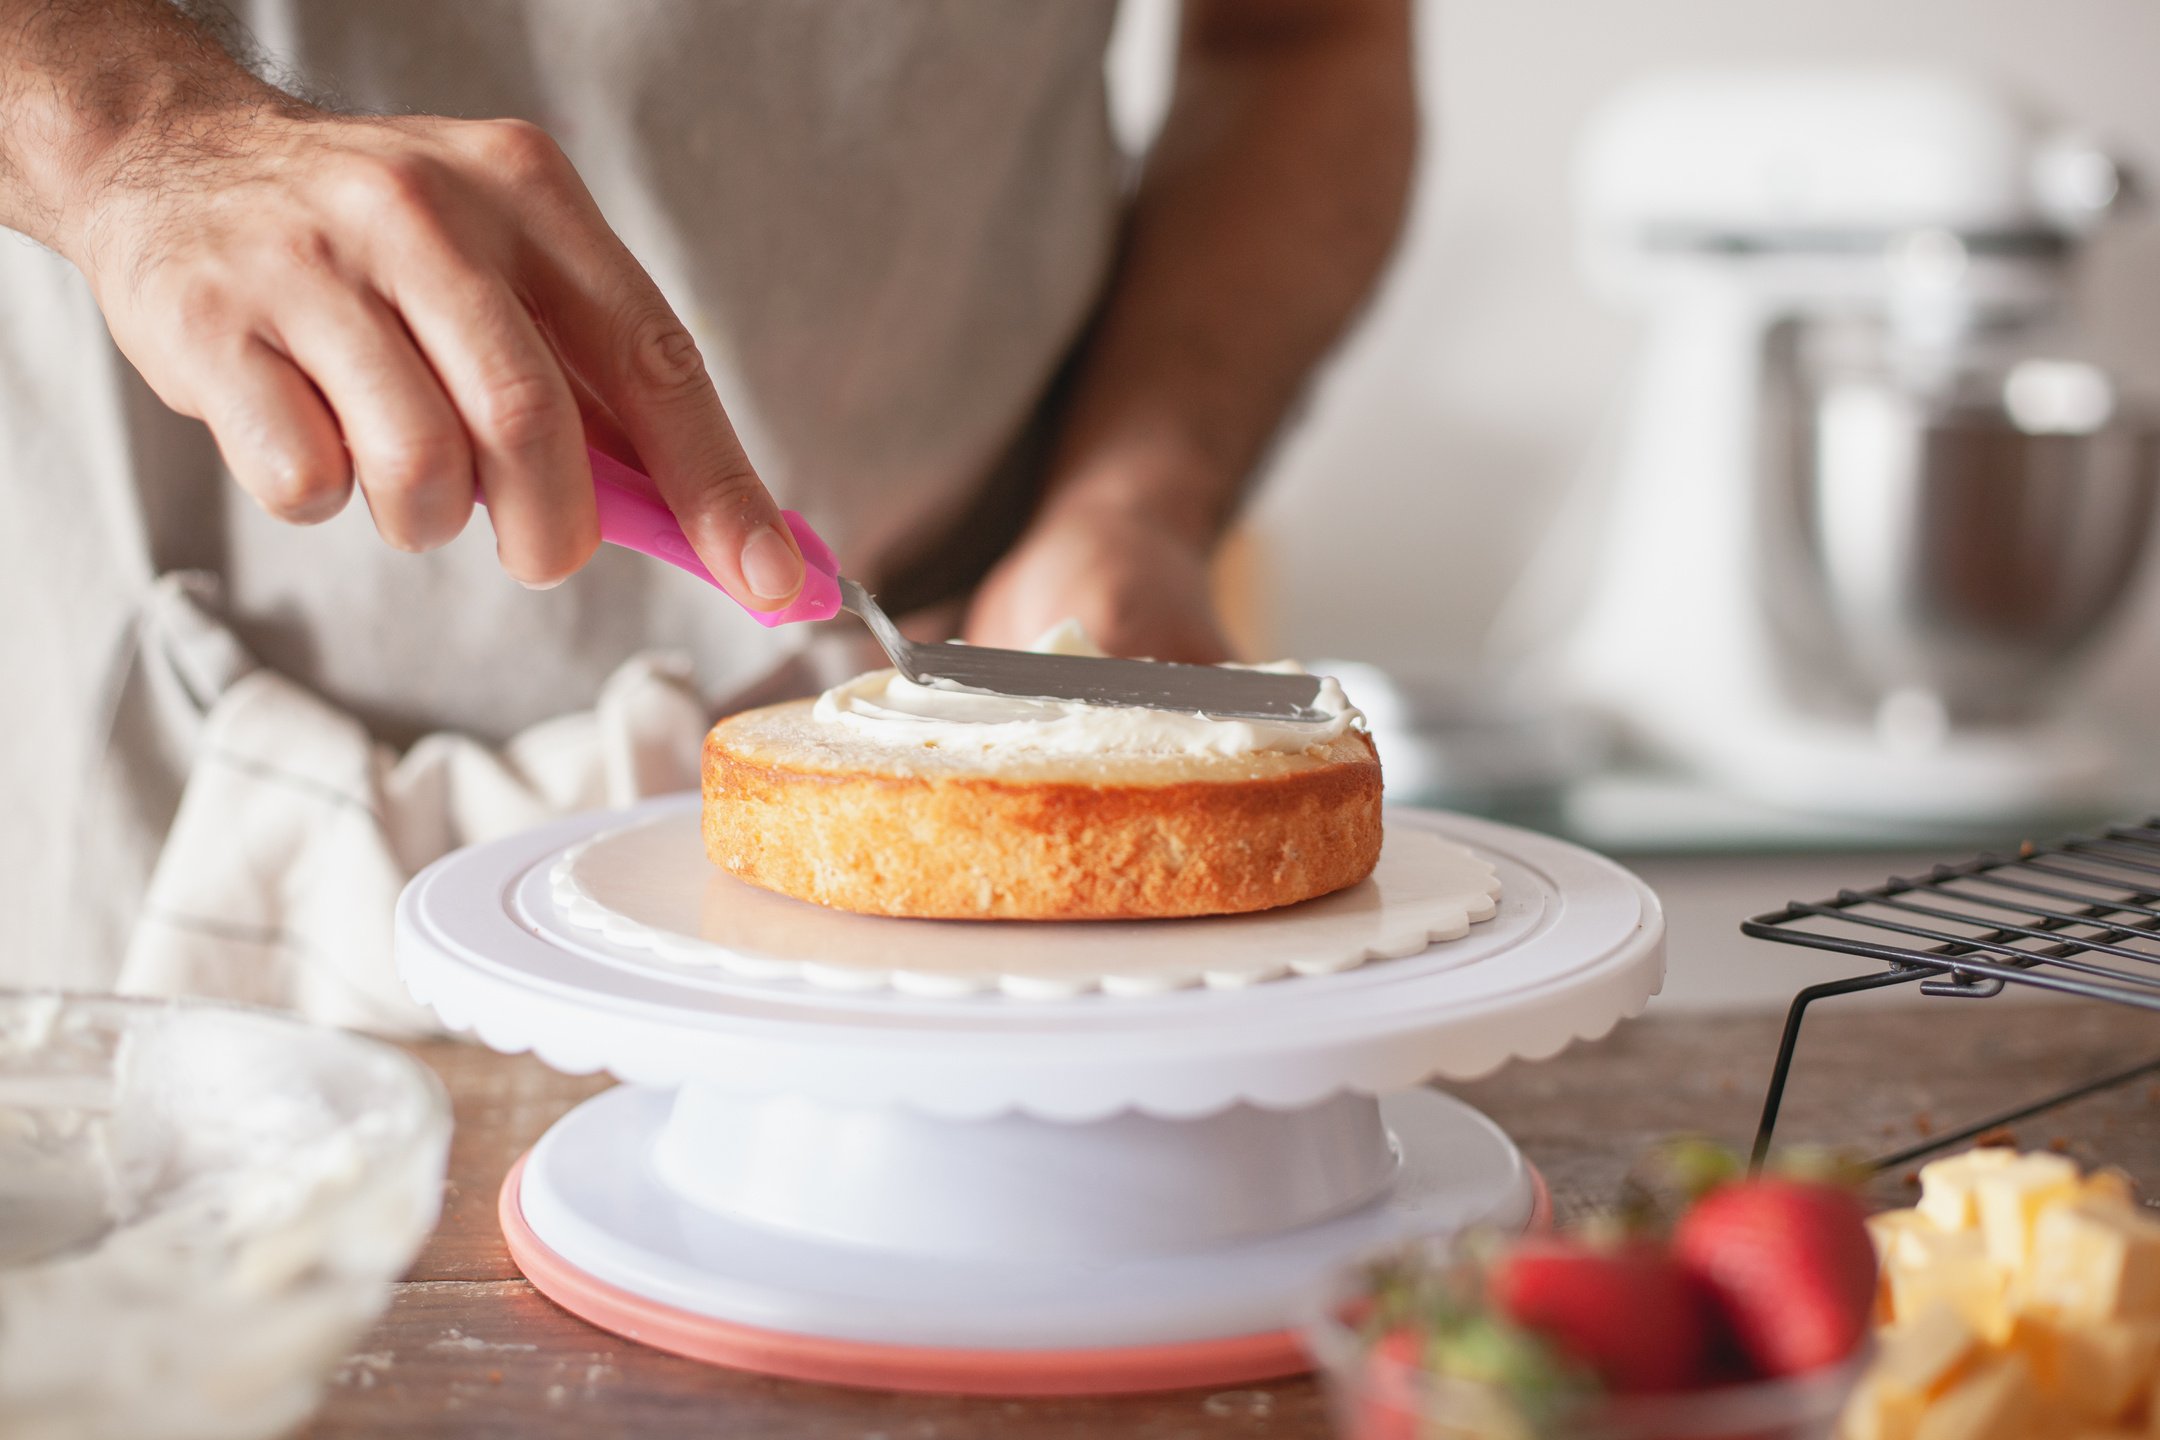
pixel 886 707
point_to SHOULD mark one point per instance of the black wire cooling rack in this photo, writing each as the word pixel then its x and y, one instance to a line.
pixel 2080 916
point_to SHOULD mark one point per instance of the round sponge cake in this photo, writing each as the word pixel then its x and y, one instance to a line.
pixel 816 812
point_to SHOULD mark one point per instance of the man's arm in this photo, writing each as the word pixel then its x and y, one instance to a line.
pixel 1268 206
pixel 416 304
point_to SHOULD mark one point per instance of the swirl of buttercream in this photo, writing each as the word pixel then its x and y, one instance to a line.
pixel 884 706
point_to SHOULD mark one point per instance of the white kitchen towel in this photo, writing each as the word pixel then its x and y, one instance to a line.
pixel 296 830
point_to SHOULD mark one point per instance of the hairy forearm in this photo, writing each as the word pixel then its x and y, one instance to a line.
pixel 86 86
pixel 1268 206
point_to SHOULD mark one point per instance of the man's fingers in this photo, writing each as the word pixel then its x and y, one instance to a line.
pixel 603 432
pixel 407 445
pixel 277 436
pixel 528 443
pixel 645 367
pixel 616 329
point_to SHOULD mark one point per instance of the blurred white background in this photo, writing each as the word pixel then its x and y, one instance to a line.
pixel 1440 442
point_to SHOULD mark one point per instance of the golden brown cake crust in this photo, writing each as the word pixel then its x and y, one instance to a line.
pixel 886 831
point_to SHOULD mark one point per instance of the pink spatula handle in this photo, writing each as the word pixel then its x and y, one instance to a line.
pixel 633 516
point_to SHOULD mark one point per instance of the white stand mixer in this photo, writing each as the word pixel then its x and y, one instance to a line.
pixel 995 1195
pixel 1854 526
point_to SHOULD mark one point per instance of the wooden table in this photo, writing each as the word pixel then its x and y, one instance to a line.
pixel 469 1349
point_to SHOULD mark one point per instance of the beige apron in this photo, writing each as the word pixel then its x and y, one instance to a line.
pixel 885 220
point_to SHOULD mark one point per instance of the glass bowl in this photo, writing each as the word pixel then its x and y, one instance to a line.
pixel 1373 1396
pixel 201 1209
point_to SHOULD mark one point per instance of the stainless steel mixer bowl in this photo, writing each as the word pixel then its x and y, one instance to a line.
pixel 1967 536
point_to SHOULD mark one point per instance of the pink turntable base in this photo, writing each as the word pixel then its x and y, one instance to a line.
pixel 1233 1360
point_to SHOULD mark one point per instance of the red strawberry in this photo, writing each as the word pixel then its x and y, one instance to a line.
pixel 1630 1314
pixel 1790 1266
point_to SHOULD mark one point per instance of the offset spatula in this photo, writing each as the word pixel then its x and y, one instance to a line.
pixel 632 515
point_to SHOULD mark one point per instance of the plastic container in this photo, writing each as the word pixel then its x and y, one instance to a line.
pixel 201 1210
pixel 1375 1397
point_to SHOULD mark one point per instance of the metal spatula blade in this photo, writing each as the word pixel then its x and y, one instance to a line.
pixel 632 515
pixel 1189 689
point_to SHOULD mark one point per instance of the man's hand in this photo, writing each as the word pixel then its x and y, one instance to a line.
pixel 413 305
pixel 1137 588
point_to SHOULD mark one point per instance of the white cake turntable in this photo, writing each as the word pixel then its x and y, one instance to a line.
pixel 956 1187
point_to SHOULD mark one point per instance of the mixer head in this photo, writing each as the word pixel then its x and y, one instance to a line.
pixel 1834 167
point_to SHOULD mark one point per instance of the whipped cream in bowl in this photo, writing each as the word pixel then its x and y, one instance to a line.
pixel 885 707
pixel 201 1209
